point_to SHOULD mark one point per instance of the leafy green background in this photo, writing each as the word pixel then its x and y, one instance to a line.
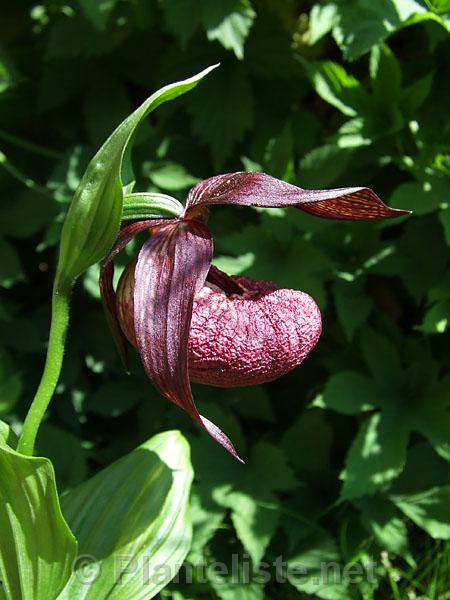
pixel 348 456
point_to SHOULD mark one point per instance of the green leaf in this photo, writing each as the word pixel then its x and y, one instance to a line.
pixel 386 75
pixel 421 198
pixel 381 356
pixel 363 24
pixel 168 175
pixel 131 523
pixel 37 548
pixel 334 85
pixel 349 393
pixel 322 18
pixel 229 23
pixel 353 306
pixel 255 524
pixel 376 456
pixel 380 517
pixel 220 115
pixel 306 571
pixel 429 509
pixel 93 220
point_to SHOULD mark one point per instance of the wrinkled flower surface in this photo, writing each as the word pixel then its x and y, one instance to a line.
pixel 253 335
pixel 191 322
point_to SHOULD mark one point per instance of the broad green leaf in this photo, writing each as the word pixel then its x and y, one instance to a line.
pixel 206 518
pixel 93 220
pixel 429 509
pixel 381 356
pixel 349 393
pixel 168 175
pixel 362 24
pixel 314 567
pixel 323 165
pixel 376 456
pixel 337 87
pixel 386 75
pixel 421 198
pixel 381 518
pixel 220 115
pixel 229 23
pixel 255 524
pixel 421 458
pixel 322 18
pixel 353 306
pixel 131 523
pixel 235 265
pixel 37 548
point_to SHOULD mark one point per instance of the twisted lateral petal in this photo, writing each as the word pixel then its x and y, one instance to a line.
pixel 107 292
pixel 259 189
pixel 171 268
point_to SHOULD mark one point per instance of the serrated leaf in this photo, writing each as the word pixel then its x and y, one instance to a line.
pixel 429 509
pixel 229 23
pixel 254 523
pixel 222 111
pixel 349 393
pixel 131 522
pixel 380 517
pixel 37 547
pixel 305 568
pixel 376 456
pixel 353 306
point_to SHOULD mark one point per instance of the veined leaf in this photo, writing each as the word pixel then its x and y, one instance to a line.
pixel 37 548
pixel 131 523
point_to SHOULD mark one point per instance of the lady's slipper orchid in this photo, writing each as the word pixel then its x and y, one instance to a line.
pixel 190 321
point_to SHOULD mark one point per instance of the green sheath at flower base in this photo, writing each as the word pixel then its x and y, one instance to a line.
pixel 93 220
pixel 150 206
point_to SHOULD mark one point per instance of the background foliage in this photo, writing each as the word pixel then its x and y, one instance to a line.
pixel 348 455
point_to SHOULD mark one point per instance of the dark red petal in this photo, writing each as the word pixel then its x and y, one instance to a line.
pixel 107 292
pixel 259 189
pixel 172 266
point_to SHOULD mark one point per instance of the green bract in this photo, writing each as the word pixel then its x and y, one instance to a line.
pixel 93 220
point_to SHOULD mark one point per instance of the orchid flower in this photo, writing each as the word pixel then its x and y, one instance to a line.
pixel 190 321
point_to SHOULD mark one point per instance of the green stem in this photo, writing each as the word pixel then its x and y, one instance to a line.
pixel 52 369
